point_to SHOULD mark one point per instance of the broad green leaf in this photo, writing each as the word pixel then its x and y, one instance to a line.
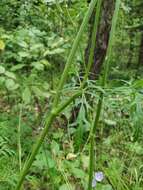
pixel 64 187
pixel 43 161
pixel 54 52
pixel 2 70
pixel 51 163
pixel 23 44
pixel 78 173
pixel 110 122
pixel 2 45
pixel 46 86
pixel 23 54
pixel 2 79
pixel 45 62
pixel 106 187
pixel 17 67
pixel 57 43
pixel 38 66
pixel 85 161
pixel 136 148
pixel 26 95
pixel 36 46
pixel 55 147
pixel 67 187
pixel 57 51
pixel 40 93
pixel 11 85
pixel 10 75
pixel 138 84
pixel 71 156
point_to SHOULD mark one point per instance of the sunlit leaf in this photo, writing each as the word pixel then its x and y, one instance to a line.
pixel 10 75
pixel 11 85
pixel 2 45
pixel 2 70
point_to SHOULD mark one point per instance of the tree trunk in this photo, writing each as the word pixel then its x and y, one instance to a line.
pixel 102 37
pixel 101 43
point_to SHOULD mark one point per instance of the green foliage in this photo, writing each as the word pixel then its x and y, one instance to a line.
pixel 35 39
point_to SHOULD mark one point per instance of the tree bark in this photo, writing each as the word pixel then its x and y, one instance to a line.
pixel 102 37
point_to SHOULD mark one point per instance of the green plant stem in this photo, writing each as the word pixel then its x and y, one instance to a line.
pixel 52 114
pixel 92 142
pixel 100 102
pixel 91 57
pixel 34 152
pixel 38 144
pixel 73 51
pixel 66 103
pixel 19 138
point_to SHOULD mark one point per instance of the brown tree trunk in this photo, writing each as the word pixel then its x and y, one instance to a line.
pixel 102 37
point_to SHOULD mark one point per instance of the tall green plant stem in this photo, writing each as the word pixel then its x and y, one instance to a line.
pixel 90 59
pixel 36 147
pixel 19 137
pixel 100 102
pixel 74 50
pixel 54 111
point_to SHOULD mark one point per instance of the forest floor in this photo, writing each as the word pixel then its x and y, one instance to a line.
pixel 62 162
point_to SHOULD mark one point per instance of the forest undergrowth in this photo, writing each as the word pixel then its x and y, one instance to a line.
pixel 60 127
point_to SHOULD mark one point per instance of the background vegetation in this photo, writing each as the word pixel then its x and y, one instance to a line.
pixel 36 37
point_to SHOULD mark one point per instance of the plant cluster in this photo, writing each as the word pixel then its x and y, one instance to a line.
pixel 60 128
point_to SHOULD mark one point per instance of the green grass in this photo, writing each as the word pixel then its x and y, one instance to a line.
pixel 59 166
pixel 34 46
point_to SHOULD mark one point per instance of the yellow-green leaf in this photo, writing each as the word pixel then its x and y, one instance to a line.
pixel 2 45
